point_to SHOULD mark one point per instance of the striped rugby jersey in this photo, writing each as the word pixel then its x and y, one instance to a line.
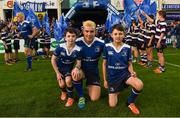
pixel 161 27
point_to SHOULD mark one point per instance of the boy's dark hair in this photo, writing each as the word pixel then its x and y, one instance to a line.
pixel 151 16
pixel 162 13
pixel 118 27
pixel 71 30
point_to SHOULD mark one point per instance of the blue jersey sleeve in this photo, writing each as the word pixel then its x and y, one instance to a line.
pixel 129 55
pixel 57 51
pixel 31 25
pixel 105 53
pixel 79 55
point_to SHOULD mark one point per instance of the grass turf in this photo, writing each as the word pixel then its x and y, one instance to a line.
pixel 36 93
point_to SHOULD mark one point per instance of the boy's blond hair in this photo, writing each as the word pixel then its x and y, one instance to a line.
pixel 89 23
pixel 20 14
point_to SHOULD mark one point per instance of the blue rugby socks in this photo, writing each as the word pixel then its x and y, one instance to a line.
pixel 78 87
pixel 29 62
pixel 133 96
pixel 69 92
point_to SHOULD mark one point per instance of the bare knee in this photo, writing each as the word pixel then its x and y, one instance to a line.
pixel 139 85
pixel 68 81
pixel 94 92
pixel 94 98
pixel 112 104
pixel 61 84
pixel 113 100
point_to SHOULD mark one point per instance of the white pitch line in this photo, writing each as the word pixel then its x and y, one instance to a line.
pixel 178 66
pixel 173 54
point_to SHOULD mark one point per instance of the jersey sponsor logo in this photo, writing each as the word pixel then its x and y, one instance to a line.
pixel 111 89
pixel 24 25
pixel 63 54
pixel 124 53
pixel 97 49
pixel 110 52
pixel 117 64
pixel 73 55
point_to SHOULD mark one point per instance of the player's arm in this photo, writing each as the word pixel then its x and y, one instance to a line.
pixel 4 44
pixel 55 67
pixel 160 39
pixel 77 69
pixel 131 70
pixel 35 32
pixel 152 36
pixel 148 18
pixel 140 20
pixel 104 72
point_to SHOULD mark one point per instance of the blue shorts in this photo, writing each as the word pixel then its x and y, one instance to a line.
pixel 29 43
pixel 92 78
pixel 119 85
pixel 65 74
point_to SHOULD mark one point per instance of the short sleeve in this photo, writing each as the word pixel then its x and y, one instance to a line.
pixel 105 52
pixel 57 51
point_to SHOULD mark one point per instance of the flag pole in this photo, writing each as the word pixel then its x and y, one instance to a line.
pixel 59 8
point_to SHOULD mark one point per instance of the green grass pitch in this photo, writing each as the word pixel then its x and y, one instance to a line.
pixel 36 93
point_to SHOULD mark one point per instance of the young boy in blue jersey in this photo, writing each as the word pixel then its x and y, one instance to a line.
pixel 117 65
pixel 28 32
pixel 92 48
pixel 63 60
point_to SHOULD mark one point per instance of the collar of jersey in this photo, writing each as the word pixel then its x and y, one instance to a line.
pixel 65 47
pixel 118 51
pixel 89 45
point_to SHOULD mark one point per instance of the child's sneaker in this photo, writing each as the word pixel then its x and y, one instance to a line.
pixel 133 109
pixel 7 63
pixel 157 70
pixel 81 102
pixel 69 102
pixel 63 96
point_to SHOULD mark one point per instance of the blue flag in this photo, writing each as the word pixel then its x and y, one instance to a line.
pixel 145 6
pixel 153 8
pixel 130 9
pixel 45 24
pixel 130 6
pixel 59 28
pixel 57 31
pixel 33 18
pixel 17 8
pixel 111 20
pixel 62 23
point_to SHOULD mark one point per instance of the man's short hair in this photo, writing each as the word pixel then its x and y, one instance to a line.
pixel 20 14
pixel 89 23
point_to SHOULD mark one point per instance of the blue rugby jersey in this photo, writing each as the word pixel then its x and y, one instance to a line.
pixel 117 61
pixel 90 53
pixel 67 59
pixel 161 27
pixel 25 29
